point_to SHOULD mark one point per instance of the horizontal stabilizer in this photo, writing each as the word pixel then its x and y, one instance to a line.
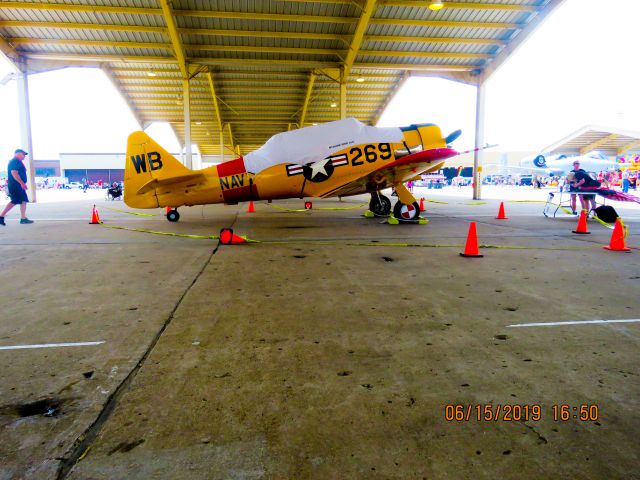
pixel 159 182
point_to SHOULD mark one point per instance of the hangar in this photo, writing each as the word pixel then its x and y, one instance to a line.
pixel 227 76
pixel 614 142
pixel 332 346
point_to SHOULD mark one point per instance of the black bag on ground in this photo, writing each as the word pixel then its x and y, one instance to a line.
pixel 606 213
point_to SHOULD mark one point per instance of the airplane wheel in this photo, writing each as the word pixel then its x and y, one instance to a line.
pixel 406 212
pixel 173 216
pixel 380 205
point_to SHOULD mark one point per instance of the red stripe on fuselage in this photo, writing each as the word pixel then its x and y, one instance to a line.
pixel 232 167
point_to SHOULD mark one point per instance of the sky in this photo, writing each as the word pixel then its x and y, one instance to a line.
pixel 580 67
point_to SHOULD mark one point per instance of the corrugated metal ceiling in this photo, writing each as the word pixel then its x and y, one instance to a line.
pixel 261 54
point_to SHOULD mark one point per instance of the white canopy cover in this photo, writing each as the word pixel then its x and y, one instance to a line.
pixel 311 144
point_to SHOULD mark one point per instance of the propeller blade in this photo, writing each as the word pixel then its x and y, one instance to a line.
pixel 452 136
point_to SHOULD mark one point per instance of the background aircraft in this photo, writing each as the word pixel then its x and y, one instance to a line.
pixel 562 164
pixel 338 158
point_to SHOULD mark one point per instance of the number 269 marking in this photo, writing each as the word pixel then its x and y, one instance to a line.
pixel 370 153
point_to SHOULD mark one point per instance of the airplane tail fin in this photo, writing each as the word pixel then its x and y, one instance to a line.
pixel 146 165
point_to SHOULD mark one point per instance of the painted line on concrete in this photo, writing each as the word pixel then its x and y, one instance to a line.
pixel 52 345
pixel 581 322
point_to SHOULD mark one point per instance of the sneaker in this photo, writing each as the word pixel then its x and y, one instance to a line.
pixel 574 212
pixel 25 220
pixel 2 221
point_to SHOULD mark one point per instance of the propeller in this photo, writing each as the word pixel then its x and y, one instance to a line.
pixel 452 136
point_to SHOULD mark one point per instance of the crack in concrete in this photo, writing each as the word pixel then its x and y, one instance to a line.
pixel 541 440
pixel 86 439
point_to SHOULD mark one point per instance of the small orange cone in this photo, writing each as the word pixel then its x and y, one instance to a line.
pixel 166 211
pixel 95 218
pixel 471 248
pixel 501 215
pixel 582 224
pixel 422 204
pixel 227 237
pixel 251 209
pixel 617 239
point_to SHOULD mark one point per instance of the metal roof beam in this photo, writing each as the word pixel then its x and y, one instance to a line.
pixel 352 53
pixel 174 35
pixel 460 5
pixel 65 7
pixel 10 53
pixel 628 147
pixel 445 40
pixel 82 26
pixel 597 143
pixel 307 98
pixel 356 41
pixel 216 107
pixel 248 15
pixel 423 4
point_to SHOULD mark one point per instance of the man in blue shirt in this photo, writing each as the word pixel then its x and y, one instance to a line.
pixel 17 187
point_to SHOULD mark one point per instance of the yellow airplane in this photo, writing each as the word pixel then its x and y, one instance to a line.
pixel 336 159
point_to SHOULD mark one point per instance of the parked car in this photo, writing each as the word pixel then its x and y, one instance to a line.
pixel 73 185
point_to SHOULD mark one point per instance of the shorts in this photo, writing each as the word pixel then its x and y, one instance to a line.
pixel 589 197
pixel 18 196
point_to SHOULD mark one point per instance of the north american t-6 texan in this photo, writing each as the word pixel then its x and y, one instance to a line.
pixel 335 159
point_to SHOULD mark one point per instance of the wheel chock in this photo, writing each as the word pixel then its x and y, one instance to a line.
pixel 368 214
pixel 393 220
pixel 423 221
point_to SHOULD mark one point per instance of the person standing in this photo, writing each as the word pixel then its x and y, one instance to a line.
pixel 17 187
pixel 625 182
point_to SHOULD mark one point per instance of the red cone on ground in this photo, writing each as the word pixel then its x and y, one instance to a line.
pixel 227 237
pixel 471 248
pixel 617 239
pixel 251 209
pixel 166 211
pixel 582 224
pixel 501 215
pixel 95 218
pixel 422 204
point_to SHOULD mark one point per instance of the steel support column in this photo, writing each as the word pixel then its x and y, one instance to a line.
pixel 186 98
pixel 25 130
pixel 479 154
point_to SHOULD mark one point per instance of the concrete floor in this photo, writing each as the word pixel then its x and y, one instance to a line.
pixel 320 357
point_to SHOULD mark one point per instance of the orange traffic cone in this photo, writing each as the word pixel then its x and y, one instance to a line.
pixel 617 239
pixel 501 215
pixel 422 204
pixel 166 211
pixel 471 248
pixel 251 209
pixel 227 237
pixel 582 224
pixel 95 218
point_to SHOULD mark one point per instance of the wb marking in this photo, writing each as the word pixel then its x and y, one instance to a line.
pixel 237 181
pixel 140 162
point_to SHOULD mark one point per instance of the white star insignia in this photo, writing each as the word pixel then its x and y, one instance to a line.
pixel 319 167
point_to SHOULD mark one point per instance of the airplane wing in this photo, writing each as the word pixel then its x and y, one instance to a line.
pixel 160 182
pixel 400 170
pixel 517 169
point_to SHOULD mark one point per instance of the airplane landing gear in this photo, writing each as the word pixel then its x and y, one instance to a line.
pixel 173 215
pixel 407 213
pixel 380 205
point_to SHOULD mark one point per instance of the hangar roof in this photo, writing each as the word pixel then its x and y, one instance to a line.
pixel 259 67
pixel 611 141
